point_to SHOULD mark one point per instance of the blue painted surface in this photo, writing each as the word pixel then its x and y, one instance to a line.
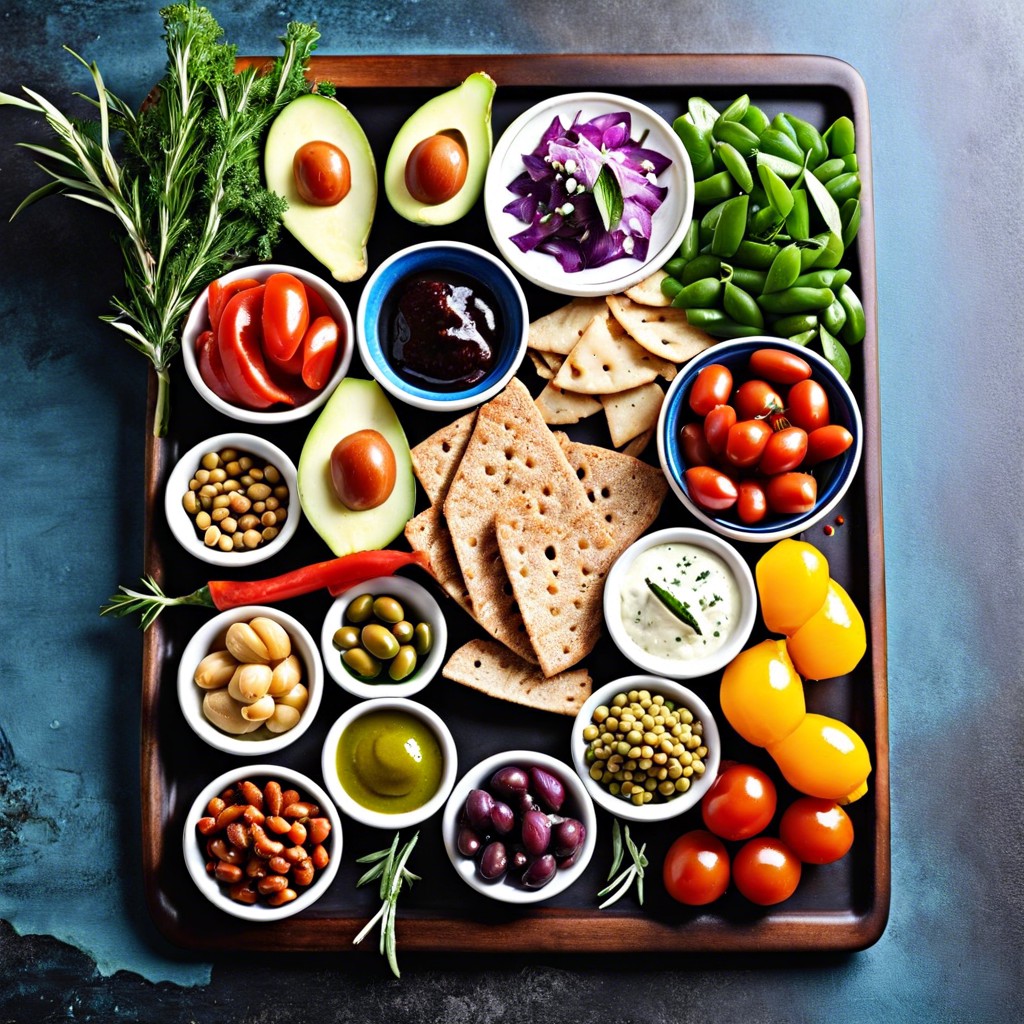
pixel 945 88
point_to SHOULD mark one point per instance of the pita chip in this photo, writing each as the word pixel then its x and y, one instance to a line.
pixel 662 331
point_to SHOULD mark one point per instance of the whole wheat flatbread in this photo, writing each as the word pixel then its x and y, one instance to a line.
pixel 435 459
pixel 494 670
pixel 428 532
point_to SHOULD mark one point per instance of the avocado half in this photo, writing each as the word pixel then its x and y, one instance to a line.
pixel 465 111
pixel 355 405
pixel 335 235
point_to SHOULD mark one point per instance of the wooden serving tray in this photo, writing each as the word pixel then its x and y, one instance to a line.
pixel 843 906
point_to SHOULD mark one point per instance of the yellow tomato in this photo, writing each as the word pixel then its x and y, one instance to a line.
pixel 832 640
pixel 762 696
pixel 824 757
pixel 792 583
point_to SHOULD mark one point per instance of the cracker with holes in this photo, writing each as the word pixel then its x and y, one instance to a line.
pixel 648 292
pixel 630 413
pixel 557 565
pixel 559 331
pixel 428 532
pixel 606 359
pixel 561 408
pixel 663 332
pixel 493 669
pixel 511 455
pixel 435 460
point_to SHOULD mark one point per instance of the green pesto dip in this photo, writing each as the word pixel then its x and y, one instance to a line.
pixel 389 761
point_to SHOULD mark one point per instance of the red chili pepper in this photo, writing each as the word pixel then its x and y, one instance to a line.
pixel 336 575
pixel 217 296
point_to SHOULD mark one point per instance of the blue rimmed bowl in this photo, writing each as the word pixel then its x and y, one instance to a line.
pixel 833 477
pixel 441 258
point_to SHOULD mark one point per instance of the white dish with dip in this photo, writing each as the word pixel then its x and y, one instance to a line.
pixel 706 575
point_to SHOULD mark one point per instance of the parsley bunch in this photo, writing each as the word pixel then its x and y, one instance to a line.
pixel 186 189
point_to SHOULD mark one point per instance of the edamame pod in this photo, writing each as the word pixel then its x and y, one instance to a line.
pixel 776 190
pixel 804 337
pixel 749 280
pixel 736 134
pixel 690 245
pixel 765 223
pixel 781 124
pixel 798 323
pixel 834 352
pixel 735 165
pixel 701 294
pixel 784 270
pixel 849 216
pixel 778 143
pixel 829 169
pixel 736 110
pixel 755 119
pixel 714 188
pixel 830 253
pixel 731 226
pixel 702 114
pixel 741 306
pixel 796 300
pixel 675 266
pixel 756 255
pixel 809 140
pixel 856 326
pixel 830 278
pixel 840 137
pixel 697 145
pixel 834 317
pixel 670 287
pixel 704 265
pixel 844 186
pixel 719 325
pixel 798 221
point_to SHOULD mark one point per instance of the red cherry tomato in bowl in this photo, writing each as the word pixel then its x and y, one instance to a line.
pixel 791 494
pixel 826 443
pixel 766 871
pixel 755 398
pixel 696 869
pixel 712 387
pixel 784 451
pixel 717 425
pixel 740 803
pixel 817 831
pixel 696 451
pixel 807 405
pixel 710 488
pixel 778 366
pixel 745 443
pixel 751 502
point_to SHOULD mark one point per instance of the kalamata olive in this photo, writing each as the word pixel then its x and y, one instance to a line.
pixel 536 832
pixel 509 782
pixel 478 810
pixel 322 173
pixel 494 861
pixel 468 842
pixel 363 470
pixel 436 169
pixel 567 837
pixel 540 872
pixel 502 818
pixel 518 861
pixel 549 790
pixel 526 803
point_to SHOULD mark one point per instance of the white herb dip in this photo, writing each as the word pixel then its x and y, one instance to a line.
pixel 700 581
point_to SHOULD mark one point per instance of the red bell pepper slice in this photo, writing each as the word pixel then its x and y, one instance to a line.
pixel 319 347
pixel 211 369
pixel 239 339
pixel 217 296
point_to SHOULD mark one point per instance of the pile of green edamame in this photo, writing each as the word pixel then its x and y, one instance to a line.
pixel 776 206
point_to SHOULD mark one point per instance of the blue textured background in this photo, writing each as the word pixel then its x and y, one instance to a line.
pixel 945 85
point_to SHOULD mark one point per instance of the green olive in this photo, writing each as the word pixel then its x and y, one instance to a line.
pixel 403 631
pixel 387 609
pixel 360 609
pixel 404 663
pixel 379 641
pixel 361 663
pixel 346 638
pixel 423 638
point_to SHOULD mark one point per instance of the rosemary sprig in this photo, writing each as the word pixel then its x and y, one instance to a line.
pixel 186 192
pixel 390 867
pixel 128 602
pixel 620 883
pixel 678 608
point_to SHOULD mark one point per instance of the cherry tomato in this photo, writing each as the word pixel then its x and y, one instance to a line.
pixel 322 173
pixel 363 470
pixel 817 831
pixel 211 369
pixel 778 366
pixel 717 425
pixel 826 443
pixel 746 441
pixel 755 398
pixel 696 869
pixel 740 803
pixel 285 317
pixel 238 342
pixel 712 387
pixel 766 871
pixel 807 405
pixel 217 296
pixel 696 451
pixel 785 450
pixel 319 347
pixel 791 493
pixel 710 488
pixel 751 503
pixel 436 169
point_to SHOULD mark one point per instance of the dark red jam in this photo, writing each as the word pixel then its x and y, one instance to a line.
pixel 443 332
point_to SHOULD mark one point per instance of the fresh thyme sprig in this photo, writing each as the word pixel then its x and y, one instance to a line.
pixel 619 884
pixel 186 192
pixel 390 867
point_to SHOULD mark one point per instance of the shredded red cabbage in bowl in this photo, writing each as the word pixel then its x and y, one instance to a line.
pixel 572 216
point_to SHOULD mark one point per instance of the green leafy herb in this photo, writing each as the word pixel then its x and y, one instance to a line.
pixel 619 883
pixel 127 602
pixel 608 196
pixel 389 867
pixel 678 608
pixel 186 192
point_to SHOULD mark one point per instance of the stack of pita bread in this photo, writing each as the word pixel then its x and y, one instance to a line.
pixel 522 529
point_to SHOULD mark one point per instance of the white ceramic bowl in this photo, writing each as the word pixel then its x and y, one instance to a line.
pixel 198 321
pixel 190 696
pixel 419 605
pixel 382 819
pixel 669 222
pixel 679 668
pixel 654 811
pixel 577 805
pixel 436 258
pixel 194 845
pixel 181 523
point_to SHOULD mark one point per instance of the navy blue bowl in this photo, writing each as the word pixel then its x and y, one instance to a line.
pixel 834 477
pixel 458 258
